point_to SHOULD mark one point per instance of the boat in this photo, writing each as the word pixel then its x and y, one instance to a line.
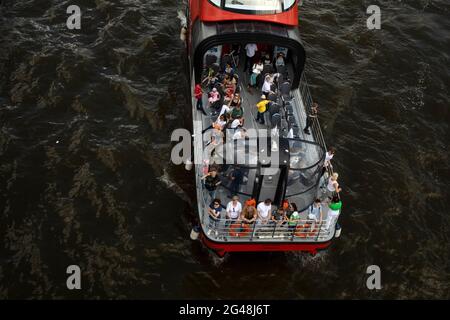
pixel 275 160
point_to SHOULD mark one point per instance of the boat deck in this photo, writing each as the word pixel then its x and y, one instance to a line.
pixel 230 231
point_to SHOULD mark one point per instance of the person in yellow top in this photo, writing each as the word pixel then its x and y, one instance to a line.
pixel 262 107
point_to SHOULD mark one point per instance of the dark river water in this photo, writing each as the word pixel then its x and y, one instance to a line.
pixel 85 173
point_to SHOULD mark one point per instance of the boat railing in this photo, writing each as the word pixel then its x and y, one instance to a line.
pixel 298 231
pixel 315 128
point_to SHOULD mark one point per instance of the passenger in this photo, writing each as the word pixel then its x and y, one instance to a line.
pixel 240 134
pixel 328 156
pixel 237 112
pixel 291 209
pixel 264 211
pixel 267 59
pixel 333 185
pixel 315 211
pixel 250 203
pixel 214 96
pixel 267 85
pixel 334 209
pixel 236 101
pixel 214 211
pixel 225 109
pixel 230 82
pixel 237 123
pixel 257 69
pixel 229 69
pixel 279 216
pixel 249 214
pixel 220 123
pixel 212 181
pixel 311 116
pixel 294 219
pixel 236 177
pixel 250 50
pixel 217 135
pixel 280 61
pixel 198 94
pixel 262 107
pixel 234 208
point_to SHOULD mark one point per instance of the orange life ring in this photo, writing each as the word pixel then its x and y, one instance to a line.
pixel 238 229
pixel 305 230
pixel 301 230
pixel 313 232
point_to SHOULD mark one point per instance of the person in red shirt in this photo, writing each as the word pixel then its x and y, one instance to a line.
pixel 198 94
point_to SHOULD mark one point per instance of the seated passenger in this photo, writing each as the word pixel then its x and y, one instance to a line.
pixel 229 69
pixel 234 208
pixel 214 211
pixel 279 216
pixel 224 110
pixel 266 59
pixel 237 123
pixel 262 107
pixel 240 134
pixel 214 96
pixel 267 85
pixel 237 112
pixel 264 211
pixel 219 124
pixel 236 101
pixel 249 214
pixel 280 61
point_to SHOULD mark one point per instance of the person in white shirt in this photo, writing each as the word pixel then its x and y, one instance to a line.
pixel 257 69
pixel 234 208
pixel 333 184
pixel 328 156
pixel 240 134
pixel 264 211
pixel 225 109
pixel 267 85
pixel 237 123
pixel 250 50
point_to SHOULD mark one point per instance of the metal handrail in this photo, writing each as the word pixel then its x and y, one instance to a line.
pixel 317 132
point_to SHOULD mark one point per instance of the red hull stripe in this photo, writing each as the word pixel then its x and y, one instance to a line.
pixel 222 248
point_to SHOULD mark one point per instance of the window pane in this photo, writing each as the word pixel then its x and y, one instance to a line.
pixel 254 5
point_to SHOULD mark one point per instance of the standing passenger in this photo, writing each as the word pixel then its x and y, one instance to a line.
pixel 212 181
pixel 250 50
pixel 198 94
pixel 310 118
pixel 264 211
pixel 328 156
pixel 262 107
pixel 234 208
